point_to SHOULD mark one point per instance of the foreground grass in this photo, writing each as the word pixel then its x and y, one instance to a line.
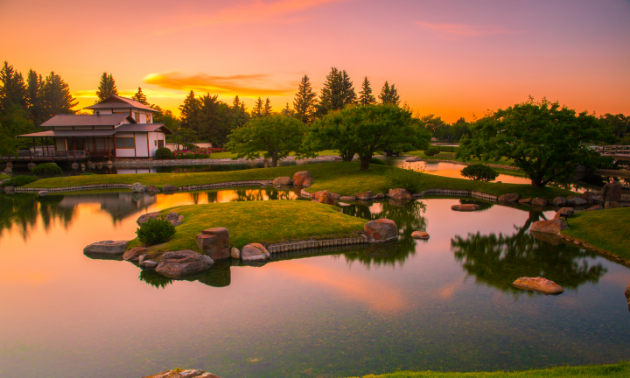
pixel 260 222
pixel 451 156
pixel 605 229
pixel 4 177
pixel 343 178
pixel 621 369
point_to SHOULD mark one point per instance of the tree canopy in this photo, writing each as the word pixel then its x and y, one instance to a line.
pixel 543 139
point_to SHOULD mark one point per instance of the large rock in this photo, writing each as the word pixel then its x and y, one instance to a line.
pixel 134 253
pixel 145 217
pixel 152 189
pixel 302 179
pixel 564 212
pixel 348 198
pixel 525 201
pixel 420 235
pixel 465 207
pixel 215 242
pixel 381 230
pixel 325 197
pixel 42 193
pixel 559 201
pixel 540 284
pixel 576 201
pixel 180 264
pixel 169 188
pixel 400 194
pixel 612 192
pixel 107 247
pixel 365 196
pixel 137 188
pixel 235 253
pixel 254 252
pixel 178 373
pixel 282 181
pixel 553 226
pixel 539 201
pixel 509 197
pixel 145 262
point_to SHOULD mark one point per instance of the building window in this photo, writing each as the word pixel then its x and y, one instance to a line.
pixel 160 143
pixel 136 116
pixel 148 118
pixel 125 143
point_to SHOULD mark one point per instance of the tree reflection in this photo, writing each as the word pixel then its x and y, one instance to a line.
pixel 22 210
pixel 154 278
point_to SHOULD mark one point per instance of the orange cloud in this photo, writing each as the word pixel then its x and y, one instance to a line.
pixel 242 85
pixel 465 30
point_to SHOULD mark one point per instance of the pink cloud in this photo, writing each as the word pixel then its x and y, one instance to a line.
pixel 454 30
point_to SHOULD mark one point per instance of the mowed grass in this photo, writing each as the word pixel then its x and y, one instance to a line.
pixel 621 369
pixel 605 229
pixel 264 222
pixel 342 177
pixel 4 177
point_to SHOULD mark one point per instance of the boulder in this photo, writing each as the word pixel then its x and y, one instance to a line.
pixel 137 188
pixel 611 205
pixel 254 252
pixel 379 196
pixel 594 208
pixel 169 188
pixel 8 189
pixel 145 262
pixel 302 179
pixel 525 201
pixel 42 193
pixel 576 201
pixel 612 192
pixel 8 170
pixel 145 217
pixel 413 159
pixel 559 201
pixel 400 194
pixel 347 198
pixel 178 373
pixel 235 253
pixel 553 226
pixel 420 235
pixel 152 189
pixel 134 253
pixel 180 264
pixel 215 242
pixel 539 201
pixel 509 197
pixel 465 207
pixel 343 204
pixel 325 197
pixel 381 230
pixel 564 212
pixel 553 239
pixel 365 196
pixel 107 247
pixel 540 284
pixel 282 181
pixel 31 166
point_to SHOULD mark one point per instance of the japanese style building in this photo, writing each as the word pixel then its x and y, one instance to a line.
pixel 119 128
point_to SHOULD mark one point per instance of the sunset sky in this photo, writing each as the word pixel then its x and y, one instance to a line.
pixel 452 58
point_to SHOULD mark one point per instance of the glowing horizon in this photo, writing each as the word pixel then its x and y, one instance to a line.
pixel 450 58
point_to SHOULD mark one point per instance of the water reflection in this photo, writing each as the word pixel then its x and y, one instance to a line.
pixel 23 211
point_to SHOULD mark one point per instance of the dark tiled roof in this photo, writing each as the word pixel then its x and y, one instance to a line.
pixel 86 120
pixel 120 102
pixel 69 133
pixel 143 128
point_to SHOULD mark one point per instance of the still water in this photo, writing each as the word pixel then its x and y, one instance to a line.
pixel 442 304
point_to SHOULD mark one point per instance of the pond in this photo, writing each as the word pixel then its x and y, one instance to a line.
pixel 442 304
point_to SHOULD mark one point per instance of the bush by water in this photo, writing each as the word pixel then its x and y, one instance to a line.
pixel 479 172
pixel 155 231
pixel 47 170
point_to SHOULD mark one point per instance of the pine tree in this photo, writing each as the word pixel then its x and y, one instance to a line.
pixel 106 88
pixel 337 92
pixel 287 111
pixel 267 111
pixel 239 115
pixel 12 90
pixel 190 112
pixel 257 111
pixel 389 95
pixel 305 101
pixel 366 97
pixel 56 97
pixel 140 97
pixel 349 95
pixel 35 88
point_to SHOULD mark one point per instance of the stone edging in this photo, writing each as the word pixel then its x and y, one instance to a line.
pixel 586 245
pixel 440 192
pixel 310 244
pixel 128 186
pixel 176 162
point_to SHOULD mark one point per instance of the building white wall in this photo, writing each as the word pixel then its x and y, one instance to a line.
pixel 125 152
pixel 142 147
pixel 153 138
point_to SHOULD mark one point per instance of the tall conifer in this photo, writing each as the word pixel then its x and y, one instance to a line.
pixel 35 88
pixel 56 97
pixel 267 111
pixel 337 92
pixel 140 97
pixel 106 88
pixel 305 101
pixel 12 89
pixel 389 95
pixel 366 97
pixel 257 111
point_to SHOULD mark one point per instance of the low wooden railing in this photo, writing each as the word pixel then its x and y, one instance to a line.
pixel 614 150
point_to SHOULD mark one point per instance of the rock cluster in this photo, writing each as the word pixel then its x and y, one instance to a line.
pixel 540 284
pixel 180 264
pixel 381 230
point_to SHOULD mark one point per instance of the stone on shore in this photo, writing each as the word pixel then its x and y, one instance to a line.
pixel 8 189
pixel 381 230
pixel 564 212
pixel 540 284
pixel 343 204
pixel 235 253
pixel 254 252
pixel 107 247
pixel 576 201
pixel 465 207
pixel 348 198
pixel 559 201
pixel 146 263
pixel 325 197
pixel 509 197
pixel 137 188
pixel 400 194
pixel 553 226
pixel 612 192
pixel 611 205
pixel 42 193
pixel 134 253
pixel 420 235
pixel 215 242
pixel 144 218
pixel 525 201
pixel 282 181
pixel 178 373
pixel 379 196
pixel 539 201
pixel 413 159
pixel 365 196
pixel 169 188
pixel 302 179
pixel 152 189
pixel 178 264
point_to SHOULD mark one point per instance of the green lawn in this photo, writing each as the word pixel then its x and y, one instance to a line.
pixel 341 177
pixel 621 369
pixel 4 177
pixel 260 222
pixel 451 156
pixel 605 229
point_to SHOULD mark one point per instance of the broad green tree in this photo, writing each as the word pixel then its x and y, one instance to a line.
pixel 273 137
pixel 365 96
pixel 364 130
pixel 106 88
pixel 389 95
pixel 140 97
pixel 305 101
pixel 547 141
pixel 56 96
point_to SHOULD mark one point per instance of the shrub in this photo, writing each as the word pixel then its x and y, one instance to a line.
pixel 155 231
pixel 19 181
pixel 47 170
pixel 479 172
pixel 163 153
pixel 190 146
pixel 376 161
pixel 447 148
pixel 404 178
pixel 432 151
